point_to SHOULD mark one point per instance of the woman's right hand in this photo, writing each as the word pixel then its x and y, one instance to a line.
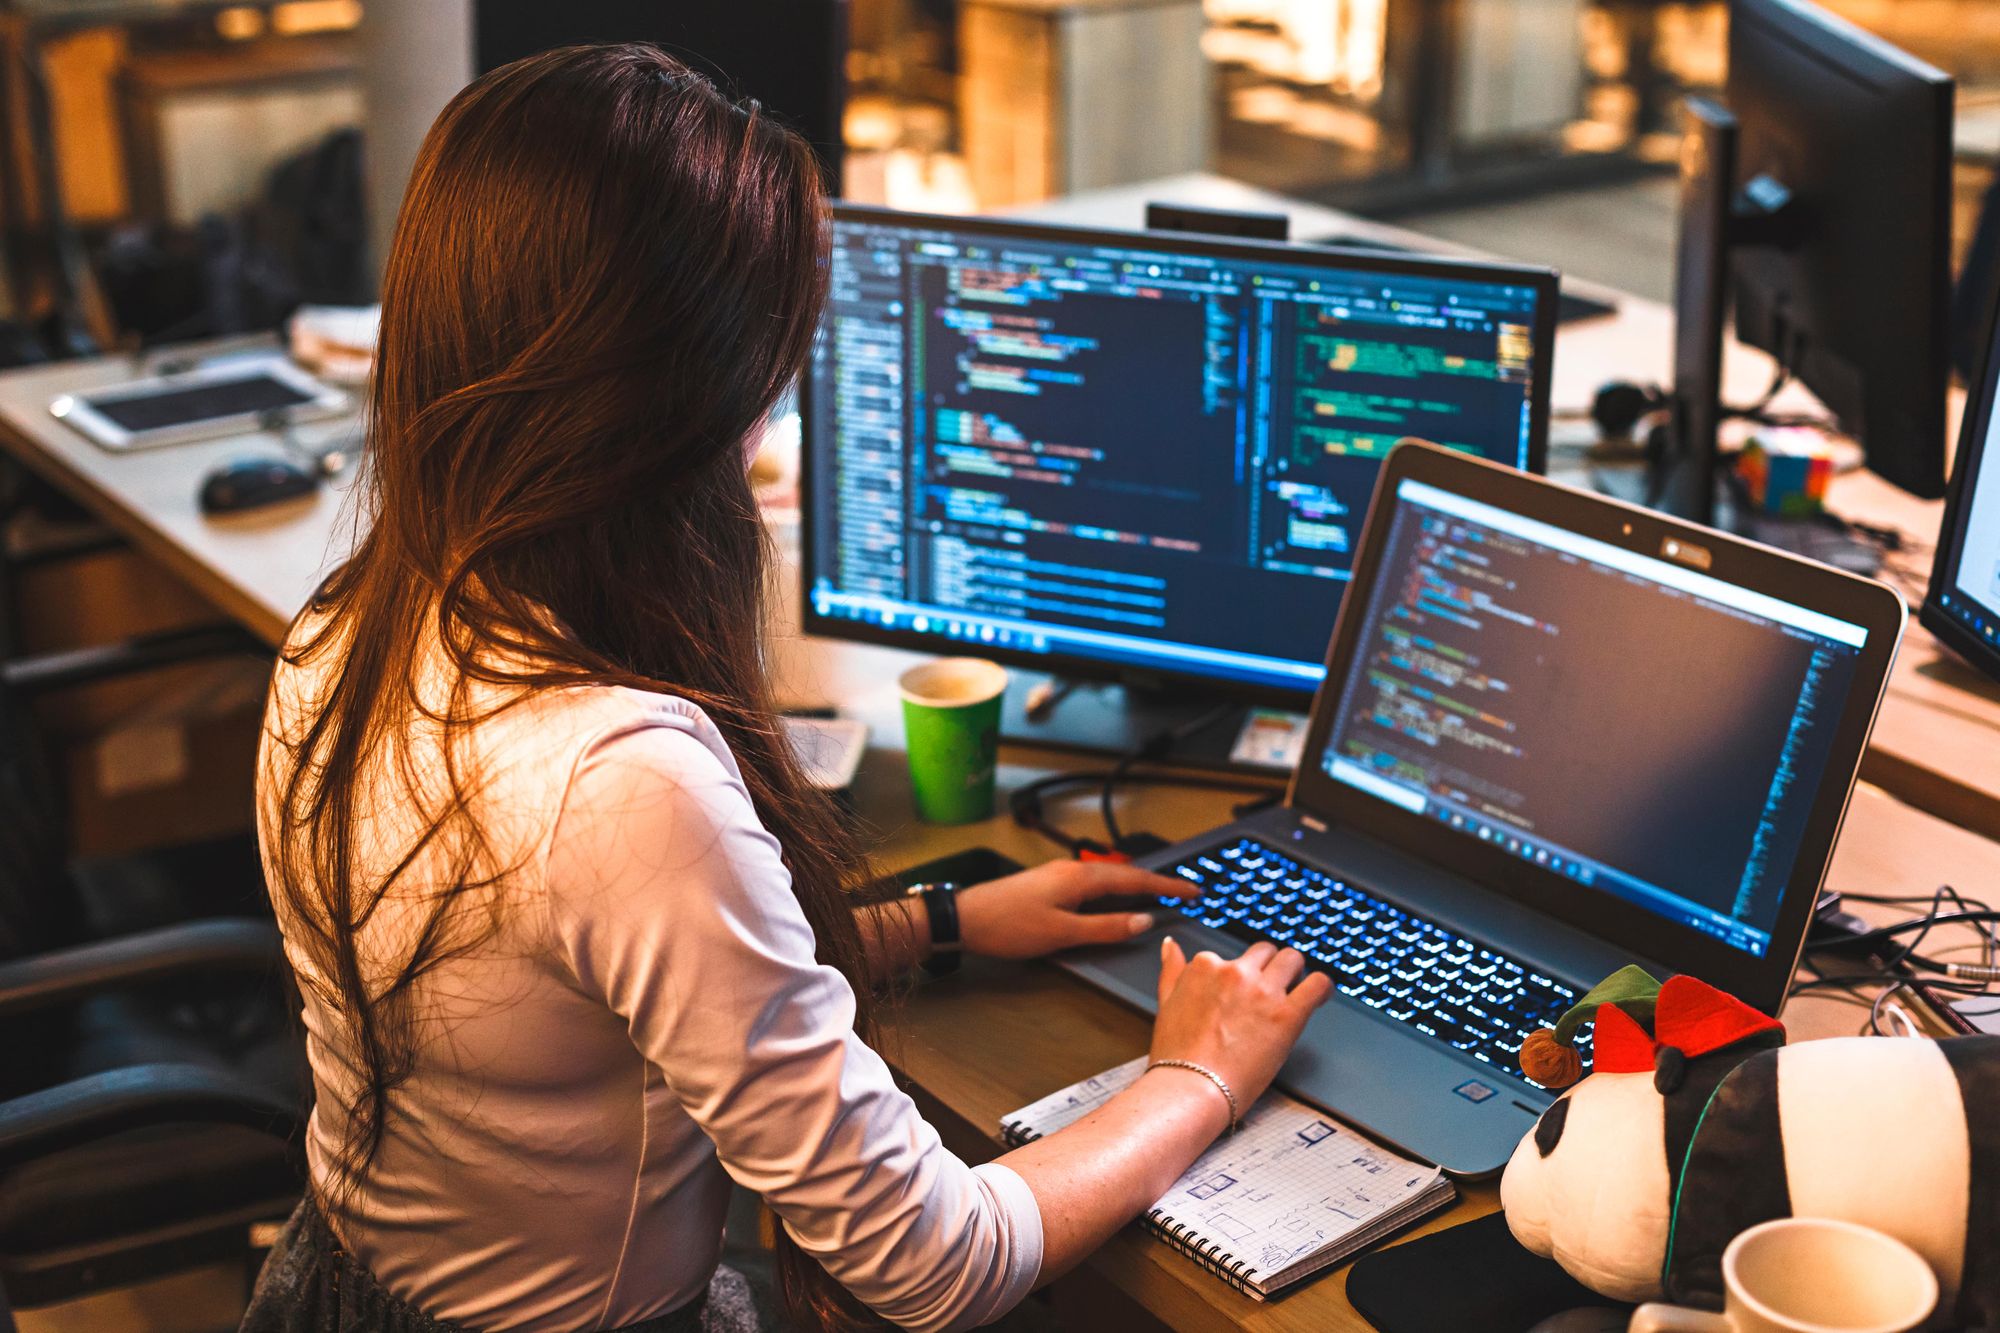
pixel 1238 1017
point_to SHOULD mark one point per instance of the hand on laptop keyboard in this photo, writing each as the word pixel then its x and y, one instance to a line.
pixel 1060 905
pixel 1409 969
pixel 1239 1017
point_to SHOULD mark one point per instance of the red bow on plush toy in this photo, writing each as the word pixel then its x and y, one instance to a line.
pixel 1686 1015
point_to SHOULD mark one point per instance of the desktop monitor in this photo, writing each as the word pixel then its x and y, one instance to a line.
pixel 1962 604
pixel 1843 273
pixel 791 55
pixel 1131 456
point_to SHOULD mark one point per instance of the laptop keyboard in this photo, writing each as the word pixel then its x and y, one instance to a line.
pixel 1427 976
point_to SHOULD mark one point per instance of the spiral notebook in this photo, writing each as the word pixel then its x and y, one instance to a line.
pixel 1290 1193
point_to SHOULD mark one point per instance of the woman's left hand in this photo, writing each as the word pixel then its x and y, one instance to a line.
pixel 1040 911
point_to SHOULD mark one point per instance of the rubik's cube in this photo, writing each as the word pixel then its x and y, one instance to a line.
pixel 1786 471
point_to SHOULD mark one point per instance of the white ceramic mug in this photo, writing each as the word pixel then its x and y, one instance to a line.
pixel 1809 1275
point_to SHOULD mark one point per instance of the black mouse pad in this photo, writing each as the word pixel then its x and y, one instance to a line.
pixel 1475 1275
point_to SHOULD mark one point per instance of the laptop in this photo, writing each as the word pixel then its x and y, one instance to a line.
pixel 1558 734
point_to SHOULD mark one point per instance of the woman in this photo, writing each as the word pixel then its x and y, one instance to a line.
pixel 576 939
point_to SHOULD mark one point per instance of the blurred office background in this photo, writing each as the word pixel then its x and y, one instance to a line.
pixel 207 162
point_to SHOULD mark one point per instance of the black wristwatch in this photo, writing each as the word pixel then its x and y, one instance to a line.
pixel 941 906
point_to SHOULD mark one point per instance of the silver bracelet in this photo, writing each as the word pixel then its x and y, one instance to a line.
pixel 1235 1121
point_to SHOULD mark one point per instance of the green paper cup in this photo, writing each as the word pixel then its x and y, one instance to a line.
pixel 951 729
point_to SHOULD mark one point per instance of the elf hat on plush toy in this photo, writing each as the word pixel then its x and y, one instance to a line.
pixel 1639 1020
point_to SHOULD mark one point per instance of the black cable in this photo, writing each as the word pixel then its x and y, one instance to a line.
pixel 1909 956
pixel 1922 925
pixel 1895 969
pixel 1156 746
pixel 1986 932
pixel 1025 803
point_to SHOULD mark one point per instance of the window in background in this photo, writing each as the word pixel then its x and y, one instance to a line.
pixel 1400 105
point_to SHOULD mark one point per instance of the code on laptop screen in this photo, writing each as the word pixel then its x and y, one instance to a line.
pixel 1584 708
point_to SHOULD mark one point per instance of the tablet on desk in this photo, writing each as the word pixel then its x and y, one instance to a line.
pixel 231 398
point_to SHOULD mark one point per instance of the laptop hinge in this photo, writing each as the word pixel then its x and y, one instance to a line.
pixel 1316 825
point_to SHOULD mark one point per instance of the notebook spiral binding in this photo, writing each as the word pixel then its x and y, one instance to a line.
pixel 1208 1253
pixel 1014 1133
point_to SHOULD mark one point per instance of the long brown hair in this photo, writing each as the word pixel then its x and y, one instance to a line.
pixel 603 277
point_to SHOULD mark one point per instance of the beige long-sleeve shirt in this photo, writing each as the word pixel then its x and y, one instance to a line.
pixel 645 1022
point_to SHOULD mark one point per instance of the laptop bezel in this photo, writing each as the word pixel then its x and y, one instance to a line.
pixel 1880 612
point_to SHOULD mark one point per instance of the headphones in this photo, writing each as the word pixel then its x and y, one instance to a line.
pixel 1620 406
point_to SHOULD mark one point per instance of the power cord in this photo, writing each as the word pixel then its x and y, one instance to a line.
pixel 1896 962
pixel 1157 746
pixel 326 464
pixel 1029 804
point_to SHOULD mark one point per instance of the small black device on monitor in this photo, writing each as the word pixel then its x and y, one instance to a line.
pixel 791 55
pixel 1822 188
pixel 1218 221
pixel 1521 775
pixel 1138 458
pixel 1962 604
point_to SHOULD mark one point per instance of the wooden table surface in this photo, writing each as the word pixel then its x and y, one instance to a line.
pixel 998 1036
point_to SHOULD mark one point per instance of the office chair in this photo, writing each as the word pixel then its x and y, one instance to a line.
pixel 151 1087
pixel 169 1127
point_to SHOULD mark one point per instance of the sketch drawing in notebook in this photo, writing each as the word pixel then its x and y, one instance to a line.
pixel 1289 1194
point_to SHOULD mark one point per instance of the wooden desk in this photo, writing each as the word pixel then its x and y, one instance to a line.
pixel 259 567
pixel 995 1037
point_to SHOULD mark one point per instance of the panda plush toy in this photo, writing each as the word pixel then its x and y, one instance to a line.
pixel 1698 1122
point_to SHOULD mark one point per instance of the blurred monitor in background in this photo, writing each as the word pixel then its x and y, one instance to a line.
pixel 791 55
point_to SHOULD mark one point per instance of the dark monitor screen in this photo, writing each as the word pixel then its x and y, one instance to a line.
pixel 791 55
pixel 1112 453
pixel 1557 697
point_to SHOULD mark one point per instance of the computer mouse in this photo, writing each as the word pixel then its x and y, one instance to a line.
pixel 1585 1319
pixel 253 483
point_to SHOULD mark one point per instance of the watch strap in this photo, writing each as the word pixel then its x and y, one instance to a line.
pixel 941 909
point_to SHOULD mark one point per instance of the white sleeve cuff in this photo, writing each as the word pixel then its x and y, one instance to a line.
pixel 1015 1206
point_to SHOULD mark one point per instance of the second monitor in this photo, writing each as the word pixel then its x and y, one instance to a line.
pixel 1133 457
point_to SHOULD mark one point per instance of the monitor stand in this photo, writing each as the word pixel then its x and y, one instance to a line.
pixel 1687 474
pixel 1115 720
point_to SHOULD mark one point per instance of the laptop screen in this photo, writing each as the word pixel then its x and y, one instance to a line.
pixel 1634 725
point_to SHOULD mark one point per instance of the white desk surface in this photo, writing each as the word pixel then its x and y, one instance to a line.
pixel 1934 744
pixel 258 567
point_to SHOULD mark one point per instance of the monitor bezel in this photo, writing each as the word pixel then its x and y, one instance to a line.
pixel 1973 428
pixel 1075 666
pixel 1763 981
